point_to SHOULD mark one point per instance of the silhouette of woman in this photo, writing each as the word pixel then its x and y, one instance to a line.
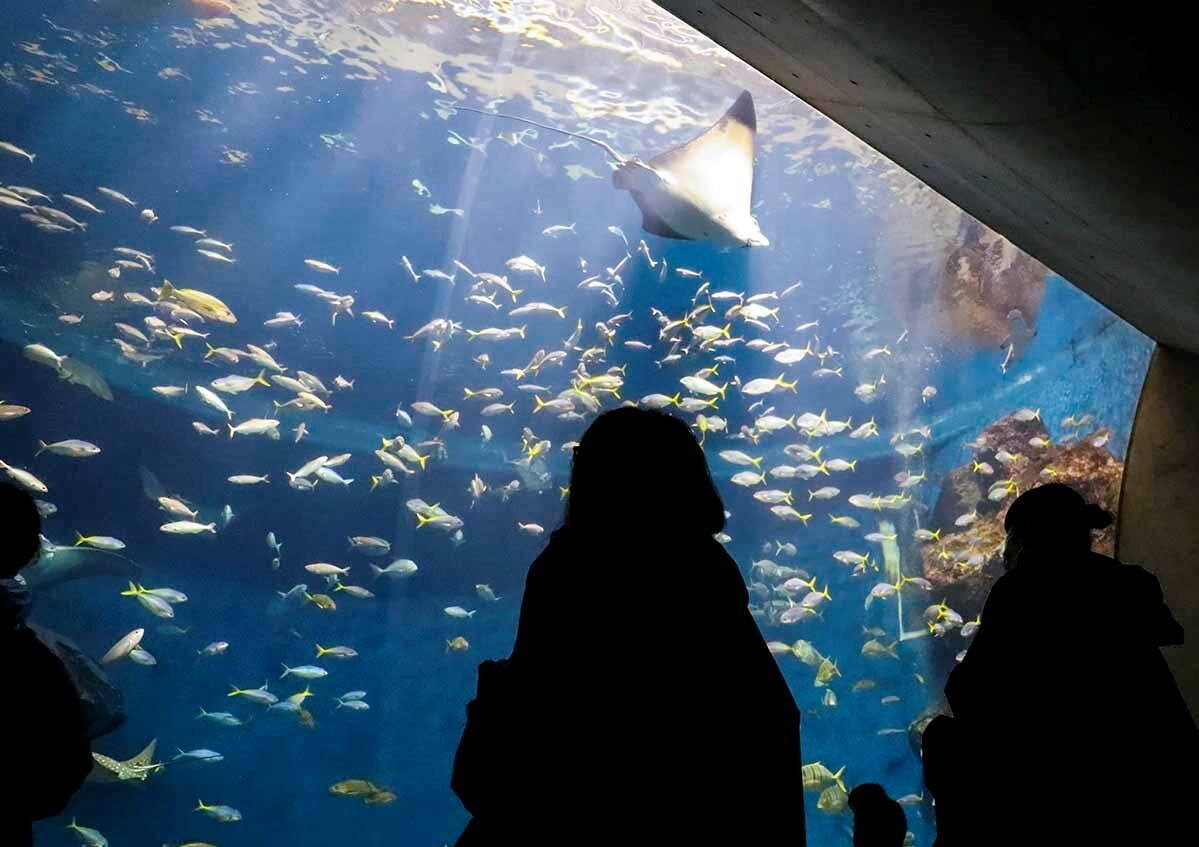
pixel 1063 707
pixel 640 703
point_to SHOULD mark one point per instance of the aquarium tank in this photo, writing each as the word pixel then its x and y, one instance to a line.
pixel 302 316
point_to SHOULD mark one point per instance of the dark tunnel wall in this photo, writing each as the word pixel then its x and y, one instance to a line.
pixel 1159 512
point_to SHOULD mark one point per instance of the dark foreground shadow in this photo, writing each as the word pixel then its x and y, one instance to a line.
pixel 878 821
pixel 1067 725
pixel 640 704
pixel 46 751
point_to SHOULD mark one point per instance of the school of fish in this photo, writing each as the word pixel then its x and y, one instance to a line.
pixel 737 365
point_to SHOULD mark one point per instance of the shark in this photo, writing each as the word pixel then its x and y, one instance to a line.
pixel 701 190
pixel 139 768
pixel 58 563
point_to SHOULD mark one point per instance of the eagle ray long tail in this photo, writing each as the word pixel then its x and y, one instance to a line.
pixel 620 160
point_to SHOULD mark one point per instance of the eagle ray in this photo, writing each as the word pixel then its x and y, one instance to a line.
pixel 701 190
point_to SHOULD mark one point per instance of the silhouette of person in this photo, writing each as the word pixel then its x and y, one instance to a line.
pixel 640 703
pixel 47 754
pixel 878 821
pixel 1064 708
pixel 952 776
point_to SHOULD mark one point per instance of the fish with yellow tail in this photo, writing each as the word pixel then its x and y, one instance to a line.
pixel 99 542
pixel 442 521
pixel 262 696
pixel 322 601
pixel 224 814
pixel 817 777
pixel 826 671
pixel 875 649
pixel 833 800
pixel 204 304
pixel 765 385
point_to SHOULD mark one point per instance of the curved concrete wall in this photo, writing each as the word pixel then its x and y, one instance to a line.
pixel 1159 507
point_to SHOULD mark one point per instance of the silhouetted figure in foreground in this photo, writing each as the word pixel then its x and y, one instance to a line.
pixel 878 821
pixel 953 778
pixel 1068 727
pixel 640 704
pixel 44 747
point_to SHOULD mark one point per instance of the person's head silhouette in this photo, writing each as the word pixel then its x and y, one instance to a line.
pixel 878 821
pixel 642 471
pixel 22 529
pixel 1050 521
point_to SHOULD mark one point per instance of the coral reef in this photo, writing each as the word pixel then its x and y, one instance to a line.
pixel 965 561
pixel 1084 463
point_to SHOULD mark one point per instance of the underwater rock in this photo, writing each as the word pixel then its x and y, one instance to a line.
pixel 103 704
pixel 963 489
pixel 983 279
pixel 945 264
pixel 1092 470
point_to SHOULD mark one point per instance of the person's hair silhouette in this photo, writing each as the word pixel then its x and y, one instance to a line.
pixel 1050 521
pixel 47 751
pixel 595 731
pixel 878 821
pixel 636 469
pixel 22 530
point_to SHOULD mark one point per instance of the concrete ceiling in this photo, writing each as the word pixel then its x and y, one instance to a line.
pixel 1068 128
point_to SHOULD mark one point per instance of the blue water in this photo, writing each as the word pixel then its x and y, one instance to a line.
pixel 824 200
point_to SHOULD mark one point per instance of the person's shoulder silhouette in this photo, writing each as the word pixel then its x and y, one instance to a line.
pixel 1066 657
pixel 641 503
pixel 46 748
pixel 637 666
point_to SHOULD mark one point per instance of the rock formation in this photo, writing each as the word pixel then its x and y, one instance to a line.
pixel 985 276
pixel 1084 463
pixel 940 262
pixel 103 705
